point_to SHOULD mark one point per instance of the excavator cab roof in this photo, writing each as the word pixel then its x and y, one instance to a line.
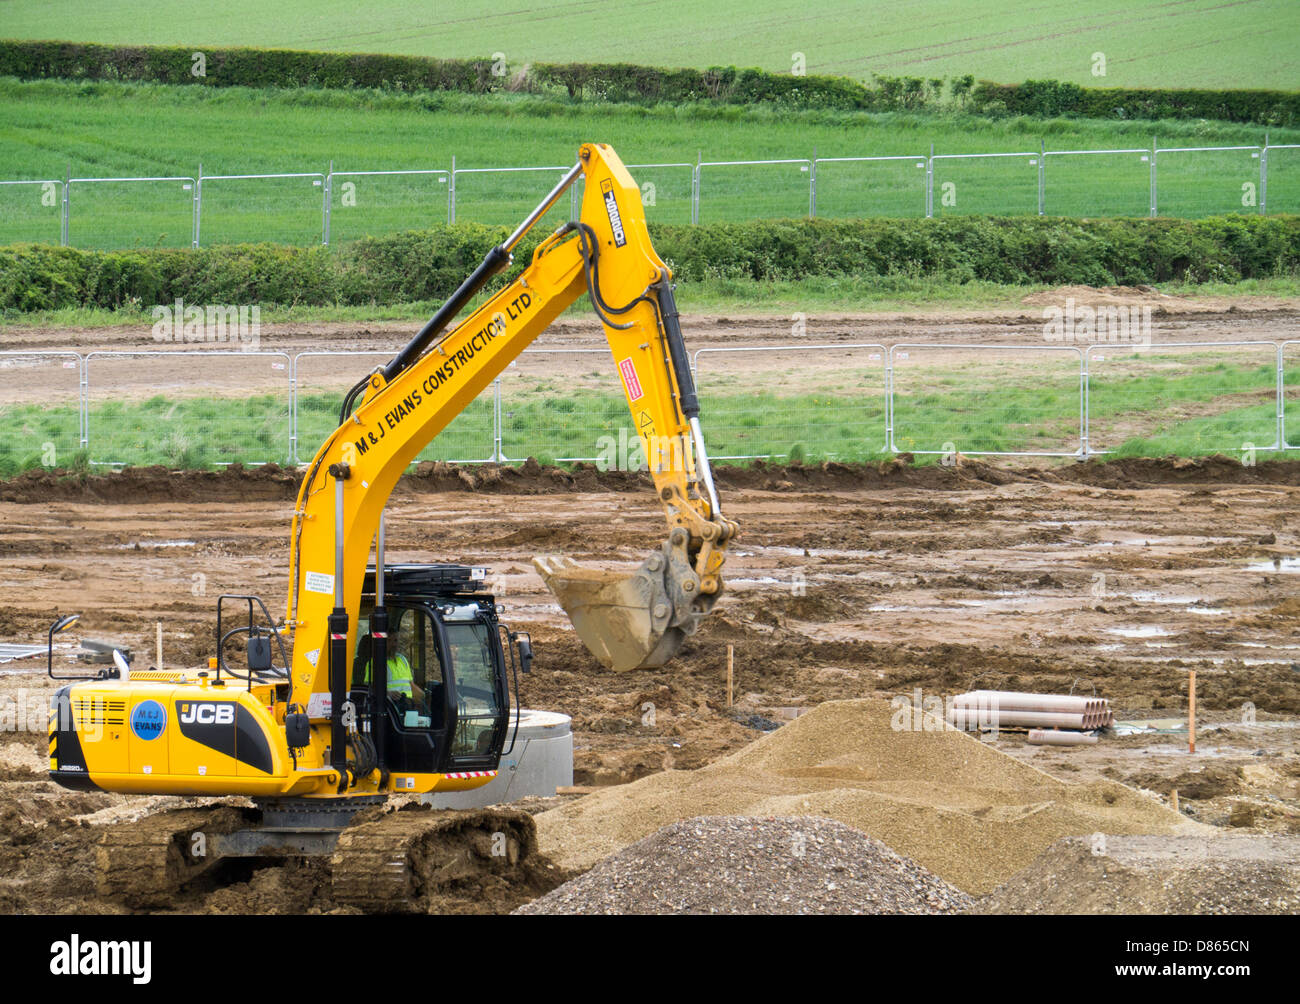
pixel 437 580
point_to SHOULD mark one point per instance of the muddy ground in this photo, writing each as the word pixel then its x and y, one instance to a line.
pixel 846 582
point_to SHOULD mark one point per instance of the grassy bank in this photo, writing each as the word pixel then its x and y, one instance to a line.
pixel 729 297
pixel 1158 402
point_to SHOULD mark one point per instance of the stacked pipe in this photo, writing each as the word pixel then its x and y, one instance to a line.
pixel 1012 710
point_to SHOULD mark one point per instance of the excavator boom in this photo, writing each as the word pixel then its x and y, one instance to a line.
pixel 627 621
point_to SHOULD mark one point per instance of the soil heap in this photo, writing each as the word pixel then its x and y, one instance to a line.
pixel 967 812
pixel 1228 874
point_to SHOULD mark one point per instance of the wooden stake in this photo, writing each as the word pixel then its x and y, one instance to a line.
pixel 731 654
pixel 1173 799
pixel 159 661
pixel 1191 711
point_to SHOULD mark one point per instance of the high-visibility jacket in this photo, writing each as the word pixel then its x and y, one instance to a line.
pixel 400 677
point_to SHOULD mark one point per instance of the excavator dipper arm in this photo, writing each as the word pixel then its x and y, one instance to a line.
pixel 627 621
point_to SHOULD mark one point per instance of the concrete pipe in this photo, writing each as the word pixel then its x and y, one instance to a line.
pixel 1009 700
pixel 972 718
pixel 1053 737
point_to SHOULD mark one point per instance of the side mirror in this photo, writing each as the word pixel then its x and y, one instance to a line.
pixel 63 623
pixel 525 654
pixel 59 626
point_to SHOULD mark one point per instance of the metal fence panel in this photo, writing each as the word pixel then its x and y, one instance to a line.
pixel 1189 399
pixel 995 400
pixel 31 212
pixel 1092 183
pixel 188 408
pixel 830 405
pixel 131 212
pixel 1289 366
pixel 1207 181
pixel 666 191
pixel 504 196
pixel 322 380
pixel 370 203
pixel 1001 183
pixel 753 189
pixel 1283 180
pixel 870 186
pixel 250 208
pixel 565 405
pixel 40 405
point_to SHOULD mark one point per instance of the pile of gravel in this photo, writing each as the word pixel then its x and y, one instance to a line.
pixel 746 864
pixel 1185 875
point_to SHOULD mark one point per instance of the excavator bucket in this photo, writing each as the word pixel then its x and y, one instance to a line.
pixel 634 620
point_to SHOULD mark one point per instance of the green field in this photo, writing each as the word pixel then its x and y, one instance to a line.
pixel 121 130
pixel 1195 43
pixel 1188 402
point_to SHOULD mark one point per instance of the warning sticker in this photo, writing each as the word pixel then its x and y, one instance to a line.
pixel 630 380
pixel 320 705
pixel 319 582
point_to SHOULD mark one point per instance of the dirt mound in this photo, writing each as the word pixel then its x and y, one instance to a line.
pixel 1108 296
pixel 743 865
pixel 235 483
pixel 1156 875
pixel 1217 469
pixel 272 483
pixel 1207 781
pixel 970 814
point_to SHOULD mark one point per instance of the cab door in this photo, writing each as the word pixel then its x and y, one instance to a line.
pixel 475 669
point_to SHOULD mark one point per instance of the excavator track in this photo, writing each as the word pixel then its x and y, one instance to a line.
pixel 413 859
pixel 144 864
pixel 416 859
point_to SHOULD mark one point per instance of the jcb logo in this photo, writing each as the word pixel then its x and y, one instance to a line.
pixel 208 714
pixel 611 208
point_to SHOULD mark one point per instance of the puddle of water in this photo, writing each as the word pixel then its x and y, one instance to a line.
pixel 1207 611
pixel 1213 660
pixel 1145 631
pixel 1287 565
pixel 1145 596
pixel 142 544
pixel 806 552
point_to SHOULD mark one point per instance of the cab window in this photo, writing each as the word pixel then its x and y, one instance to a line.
pixel 478 705
pixel 415 681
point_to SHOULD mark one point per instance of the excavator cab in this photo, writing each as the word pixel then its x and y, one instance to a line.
pixel 448 660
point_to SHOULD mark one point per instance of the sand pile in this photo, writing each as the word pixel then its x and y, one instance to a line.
pixel 968 813
pixel 743 865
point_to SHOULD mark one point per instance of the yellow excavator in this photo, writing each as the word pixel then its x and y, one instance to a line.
pixel 399 679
